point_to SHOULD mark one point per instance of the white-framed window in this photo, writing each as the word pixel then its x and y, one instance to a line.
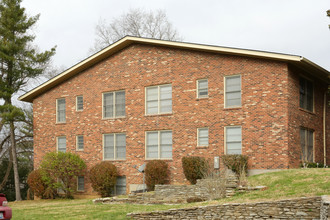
pixel 114 146
pixel 202 88
pixel 233 139
pixel 120 188
pixel 306 94
pixel 307 144
pixel 114 104
pixel 79 103
pixel 80 183
pixel 80 142
pixel 159 144
pixel 203 137
pixel 158 99
pixel 60 110
pixel 233 91
pixel 61 144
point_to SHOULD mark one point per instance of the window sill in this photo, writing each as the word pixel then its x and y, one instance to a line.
pixel 121 117
pixel 232 108
pixel 232 154
pixel 198 98
pixel 114 160
pixel 307 111
pixel 162 114
pixel 168 159
pixel 60 123
pixel 202 147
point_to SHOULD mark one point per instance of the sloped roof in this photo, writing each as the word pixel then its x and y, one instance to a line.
pixel 298 61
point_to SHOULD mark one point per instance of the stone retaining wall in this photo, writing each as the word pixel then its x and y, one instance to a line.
pixel 302 208
pixel 325 208
pixel 180 193
pixel 206 189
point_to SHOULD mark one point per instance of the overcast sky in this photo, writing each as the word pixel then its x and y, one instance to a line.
pixel 297 27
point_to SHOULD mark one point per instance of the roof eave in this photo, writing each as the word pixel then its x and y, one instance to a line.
pixel 314 69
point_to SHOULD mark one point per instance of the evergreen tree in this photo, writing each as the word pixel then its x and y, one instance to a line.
pixel 19 61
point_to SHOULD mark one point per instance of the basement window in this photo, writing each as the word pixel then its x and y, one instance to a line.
pixel 80 183
pixel 120 188
pixel 307 144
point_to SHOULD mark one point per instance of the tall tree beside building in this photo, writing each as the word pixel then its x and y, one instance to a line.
pixel 19 62
pixel 136 22
pixel 328 13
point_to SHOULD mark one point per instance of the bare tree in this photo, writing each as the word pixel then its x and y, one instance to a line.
pixel 5 152
pixel 136 22
pixel 51 71
pixel 24 142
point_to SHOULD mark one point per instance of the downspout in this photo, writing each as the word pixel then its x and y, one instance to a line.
pixel 324 128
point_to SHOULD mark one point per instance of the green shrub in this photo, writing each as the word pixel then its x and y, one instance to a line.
pixel 194 168
pixel 103 177
pixel 236 162
pixel 156 172
pixel 60 170
pixel 311 165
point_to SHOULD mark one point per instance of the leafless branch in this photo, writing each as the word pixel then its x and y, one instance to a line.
pixel 3 142
pixel 136 22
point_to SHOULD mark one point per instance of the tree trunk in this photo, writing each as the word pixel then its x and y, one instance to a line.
pixel 10 165
pixel 15 162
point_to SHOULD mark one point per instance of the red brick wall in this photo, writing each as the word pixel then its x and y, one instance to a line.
pixel 299 117
pixel 263 115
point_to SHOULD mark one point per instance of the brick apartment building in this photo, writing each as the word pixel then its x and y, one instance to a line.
pixel 141 99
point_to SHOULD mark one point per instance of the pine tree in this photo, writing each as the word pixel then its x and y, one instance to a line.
pixel 19 61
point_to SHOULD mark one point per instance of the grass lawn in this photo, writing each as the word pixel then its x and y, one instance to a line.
pixel 287 184
pixel 282 184
pixel 77 209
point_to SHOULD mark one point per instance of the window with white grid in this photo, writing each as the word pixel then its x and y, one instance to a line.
pixel 114 146
pixel 159 144
pixel 159 99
